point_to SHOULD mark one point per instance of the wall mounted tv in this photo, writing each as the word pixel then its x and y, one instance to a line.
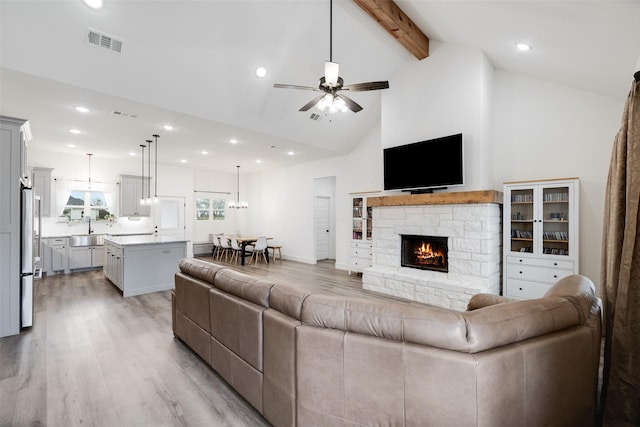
pixel 426 165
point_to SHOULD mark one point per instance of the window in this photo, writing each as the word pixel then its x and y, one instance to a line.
pixel 80 202
pixel 210 209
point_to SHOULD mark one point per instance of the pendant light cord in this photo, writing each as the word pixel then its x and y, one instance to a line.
pixel 330 30
pixel 156 162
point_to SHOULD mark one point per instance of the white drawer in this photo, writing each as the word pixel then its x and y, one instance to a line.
pixel 525 290
pixel 538 274
pixel 361 252
pixel 360 245
pixel 540 262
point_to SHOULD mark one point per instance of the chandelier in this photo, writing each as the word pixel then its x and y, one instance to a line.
pixel 237 204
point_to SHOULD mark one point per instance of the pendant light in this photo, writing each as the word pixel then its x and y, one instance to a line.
pixel 143 201
pixel 155 194
pixel 237 204
pixel 89 155
pixel 148 199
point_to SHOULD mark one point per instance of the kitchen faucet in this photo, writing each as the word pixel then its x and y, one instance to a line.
pixel 90 230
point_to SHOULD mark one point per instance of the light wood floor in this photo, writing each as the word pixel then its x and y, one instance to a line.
pixel 94 358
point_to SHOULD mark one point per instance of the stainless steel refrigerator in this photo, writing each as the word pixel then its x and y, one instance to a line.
pixel 27 264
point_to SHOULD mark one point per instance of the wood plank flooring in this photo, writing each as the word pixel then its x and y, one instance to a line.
pixel 94 358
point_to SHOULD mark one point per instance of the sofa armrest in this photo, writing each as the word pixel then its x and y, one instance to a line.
pixel 484 300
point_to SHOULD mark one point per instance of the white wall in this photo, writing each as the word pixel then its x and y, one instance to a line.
pixel 544 130
pixel 447 93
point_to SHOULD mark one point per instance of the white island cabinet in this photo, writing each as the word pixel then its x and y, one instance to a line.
pixel 142 264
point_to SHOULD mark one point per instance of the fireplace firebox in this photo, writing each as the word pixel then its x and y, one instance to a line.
pixel 425 252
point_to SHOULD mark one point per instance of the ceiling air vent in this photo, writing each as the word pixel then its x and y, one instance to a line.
pixel 123 114
pixel 104 41
pixel 315 116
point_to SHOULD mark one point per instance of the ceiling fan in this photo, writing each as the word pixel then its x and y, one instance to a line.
pixel 331 83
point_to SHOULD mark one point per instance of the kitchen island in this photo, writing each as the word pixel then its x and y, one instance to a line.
pixel 142 264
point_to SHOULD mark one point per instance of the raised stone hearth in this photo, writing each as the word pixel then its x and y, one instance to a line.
pixel 472 222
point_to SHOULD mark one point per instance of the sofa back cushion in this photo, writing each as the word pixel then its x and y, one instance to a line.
pixel 470 332
pixel 242 285
pixel 288 300
pixel 199 269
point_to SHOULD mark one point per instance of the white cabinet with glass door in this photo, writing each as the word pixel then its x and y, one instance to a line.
pixel 541 239
pixel 361 226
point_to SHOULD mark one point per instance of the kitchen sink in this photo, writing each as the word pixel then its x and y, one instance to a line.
pixel 86 240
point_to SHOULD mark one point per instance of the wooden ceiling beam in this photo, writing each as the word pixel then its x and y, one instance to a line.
pixel 398 24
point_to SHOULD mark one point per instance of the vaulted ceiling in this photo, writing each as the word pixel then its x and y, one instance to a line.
pixel 192 64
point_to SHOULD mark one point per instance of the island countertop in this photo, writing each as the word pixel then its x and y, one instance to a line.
pixel 143 240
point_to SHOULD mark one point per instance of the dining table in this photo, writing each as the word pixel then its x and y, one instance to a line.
pixel 244 241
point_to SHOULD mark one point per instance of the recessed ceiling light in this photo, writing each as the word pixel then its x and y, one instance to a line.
pixel 71 145
pixel 205 152
pixel 523 47
pixel 81 109
pixel 93 4
pixel 75 131
pixel 131 153
pixel 291 153
pixel 233 141
pixel 167 127
pixel 261 72
pixel 258 161
pixel 183 161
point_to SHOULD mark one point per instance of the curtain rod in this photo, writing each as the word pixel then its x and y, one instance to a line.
pixel 213 192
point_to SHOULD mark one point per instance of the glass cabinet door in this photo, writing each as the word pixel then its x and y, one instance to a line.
pixel 357 217
pixel 369 222
pixel 522 216
pixel 555 220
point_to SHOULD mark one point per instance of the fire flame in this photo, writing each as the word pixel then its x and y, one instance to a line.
pixel 426 254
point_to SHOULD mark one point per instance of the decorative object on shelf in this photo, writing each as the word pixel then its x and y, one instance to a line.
pixel 331 83
pixel 237 204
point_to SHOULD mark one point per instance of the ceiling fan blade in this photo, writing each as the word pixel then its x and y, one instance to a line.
pixel 360 87
pixel 351 104
pixel 331 72
pixel 311 103
pixel 278 85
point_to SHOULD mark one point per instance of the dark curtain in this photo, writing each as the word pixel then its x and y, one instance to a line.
pixel 620 278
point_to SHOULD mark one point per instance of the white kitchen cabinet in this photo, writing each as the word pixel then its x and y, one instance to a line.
pixel 132 189
pixel 541 235
pixel 55 253
pixel 361 225
pixel 86 257
pixel 41 179
pixel 142 264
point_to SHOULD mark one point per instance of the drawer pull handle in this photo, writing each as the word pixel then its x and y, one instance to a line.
pixel 520 260
pixel 520 272
pixel 555 276
pixel 520 288
pixel 555 263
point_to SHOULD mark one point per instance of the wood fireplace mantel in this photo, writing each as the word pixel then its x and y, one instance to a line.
pixel 456 198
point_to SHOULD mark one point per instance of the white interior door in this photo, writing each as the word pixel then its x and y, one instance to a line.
pixel 168 216
pixel 322 227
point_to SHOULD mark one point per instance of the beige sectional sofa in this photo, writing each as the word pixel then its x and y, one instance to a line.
pixel 308 359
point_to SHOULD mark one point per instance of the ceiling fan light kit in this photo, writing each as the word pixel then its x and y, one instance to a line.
pixel 331 83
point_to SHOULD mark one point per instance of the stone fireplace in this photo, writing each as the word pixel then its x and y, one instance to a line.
pixel 468 224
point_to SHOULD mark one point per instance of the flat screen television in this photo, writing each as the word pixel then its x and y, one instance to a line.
pixel 426 165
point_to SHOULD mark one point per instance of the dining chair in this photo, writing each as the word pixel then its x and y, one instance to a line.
pixel 259 248
pixel 224 246
pixel 235 250
pixel 216 247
